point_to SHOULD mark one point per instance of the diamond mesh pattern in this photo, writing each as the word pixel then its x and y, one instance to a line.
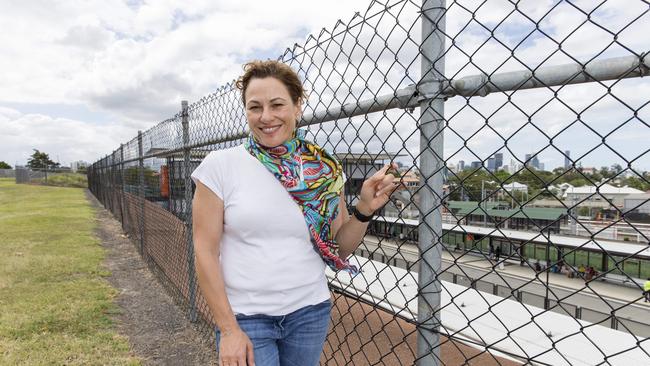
pixel 465 265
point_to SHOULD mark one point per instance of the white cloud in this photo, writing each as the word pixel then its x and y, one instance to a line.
pixel 136 62
pixel 133 62
pixel 64 139
pixel 106 47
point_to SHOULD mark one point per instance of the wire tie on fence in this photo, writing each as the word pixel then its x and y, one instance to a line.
pixel 429 90
pixel 643 70
pixel 431 8
pixel 483 90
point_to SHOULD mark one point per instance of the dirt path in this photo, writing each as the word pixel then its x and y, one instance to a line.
pixel 158 330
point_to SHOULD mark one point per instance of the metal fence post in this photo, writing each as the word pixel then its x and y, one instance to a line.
pixel 141 192
pixel 109 182
pixel 122 185
pixel 188 211
pixel 103 175
pixel 432 169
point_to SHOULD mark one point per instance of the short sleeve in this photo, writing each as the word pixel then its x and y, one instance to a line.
pixel 210 172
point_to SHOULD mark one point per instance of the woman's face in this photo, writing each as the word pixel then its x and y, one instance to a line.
pixel 271 113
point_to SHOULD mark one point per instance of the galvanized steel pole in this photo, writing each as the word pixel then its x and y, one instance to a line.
pixel 109 172
pixel 431 169
pixel 188 211
pixel 141 192
pixel 615 68
pixel 122 185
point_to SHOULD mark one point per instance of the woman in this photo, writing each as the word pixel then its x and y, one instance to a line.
pixel 268 216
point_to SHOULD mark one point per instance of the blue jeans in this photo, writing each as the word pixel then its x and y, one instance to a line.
pixel 295 339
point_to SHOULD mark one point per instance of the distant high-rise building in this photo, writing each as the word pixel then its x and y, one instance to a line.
pixel 532 161
pixel 567 161
pixel 540 166
pixel 491 164
pixel 512 167
pixel 498 161
pixel 535 162
pixel 461 165
pixel 476 165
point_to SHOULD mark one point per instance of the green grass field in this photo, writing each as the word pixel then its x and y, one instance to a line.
pixel 55 303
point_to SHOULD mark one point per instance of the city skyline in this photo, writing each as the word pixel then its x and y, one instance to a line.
pixel 491 164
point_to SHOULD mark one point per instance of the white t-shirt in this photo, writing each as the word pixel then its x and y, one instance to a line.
pixel 268 262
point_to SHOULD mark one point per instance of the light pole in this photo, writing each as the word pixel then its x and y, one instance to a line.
pixel 482 200
pixel 548 269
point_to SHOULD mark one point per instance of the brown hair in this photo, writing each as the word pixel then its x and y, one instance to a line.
pixel 270 68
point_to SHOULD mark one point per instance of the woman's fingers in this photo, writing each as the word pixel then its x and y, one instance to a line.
pixel 236 350
pixel 388 180
pixel 380 174
pixel 388 189
pixel 379 183
pixel 251 354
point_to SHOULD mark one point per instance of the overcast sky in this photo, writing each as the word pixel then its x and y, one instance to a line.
pixel 80 77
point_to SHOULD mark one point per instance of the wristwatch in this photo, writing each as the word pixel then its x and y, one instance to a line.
pixel 361 217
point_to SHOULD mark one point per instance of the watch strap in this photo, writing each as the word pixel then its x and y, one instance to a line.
pixel 361 217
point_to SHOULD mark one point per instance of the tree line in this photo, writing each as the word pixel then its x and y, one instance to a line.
pixel 39 160
pixel 472 185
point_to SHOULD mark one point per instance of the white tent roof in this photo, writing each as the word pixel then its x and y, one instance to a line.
pixel 603 189
pixel 514 185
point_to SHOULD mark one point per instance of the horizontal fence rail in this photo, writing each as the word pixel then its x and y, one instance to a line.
pixel 484 255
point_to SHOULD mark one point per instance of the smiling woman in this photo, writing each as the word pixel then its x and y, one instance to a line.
pixel 273 95
pixel 268 218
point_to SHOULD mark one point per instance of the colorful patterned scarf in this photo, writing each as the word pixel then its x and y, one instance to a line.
pixel 314 179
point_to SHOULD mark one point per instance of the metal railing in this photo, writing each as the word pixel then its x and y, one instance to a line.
pixel 487 79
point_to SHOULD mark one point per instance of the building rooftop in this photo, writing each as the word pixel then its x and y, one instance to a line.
pixel 501 209
pixel 638 196
pixel 365 156
pixel 603 189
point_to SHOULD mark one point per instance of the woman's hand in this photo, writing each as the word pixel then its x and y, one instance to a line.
pixel 376 190
pixel 235 349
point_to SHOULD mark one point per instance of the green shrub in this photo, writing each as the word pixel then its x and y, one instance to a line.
pixel 65 180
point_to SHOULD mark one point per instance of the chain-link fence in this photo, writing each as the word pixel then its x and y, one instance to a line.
pixel 7 173
pixel 55 176
pixel 478 259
